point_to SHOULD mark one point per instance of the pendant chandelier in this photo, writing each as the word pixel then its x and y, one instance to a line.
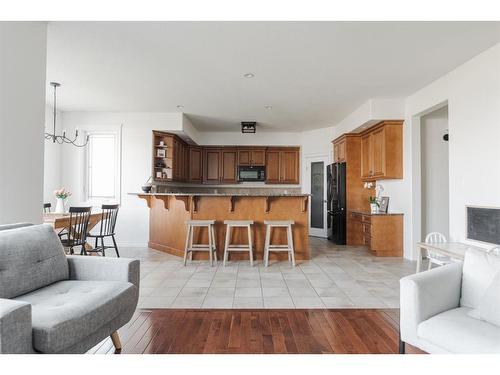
pixel 62 138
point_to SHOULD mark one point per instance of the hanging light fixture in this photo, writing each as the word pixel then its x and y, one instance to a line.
pixel 62 138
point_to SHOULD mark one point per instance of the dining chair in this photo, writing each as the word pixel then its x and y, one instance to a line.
pixel 107 229
pixel 76 234
pixel 46 208
pixel 435 258
pixel 494 250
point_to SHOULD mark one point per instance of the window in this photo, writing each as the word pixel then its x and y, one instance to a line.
pixel 103 168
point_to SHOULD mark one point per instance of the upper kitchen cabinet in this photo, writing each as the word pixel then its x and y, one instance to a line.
pixel 339 149
pixel 252 157
pixel 195 164
pixel 169 157
pixel 382 151
pixel 220 166
pixel 283 165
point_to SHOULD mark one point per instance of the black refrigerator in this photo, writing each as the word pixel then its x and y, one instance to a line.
pixel 336 196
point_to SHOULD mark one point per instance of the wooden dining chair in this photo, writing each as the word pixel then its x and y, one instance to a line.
pixel 107 230
pixel 76 233
pixel 435 258
pixel 46 208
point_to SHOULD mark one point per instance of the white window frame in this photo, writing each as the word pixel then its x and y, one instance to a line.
pixel 103 130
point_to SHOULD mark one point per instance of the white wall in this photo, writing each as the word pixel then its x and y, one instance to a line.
pixel 136 136
pixel 435 171
pixel 472 92
pixel 52 159
pixel 22 112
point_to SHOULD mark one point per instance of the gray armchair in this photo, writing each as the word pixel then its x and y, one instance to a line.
pixel 53 303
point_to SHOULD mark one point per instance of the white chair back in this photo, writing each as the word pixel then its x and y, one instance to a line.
pixel 434 258
pixel 494 250
pixel 435 237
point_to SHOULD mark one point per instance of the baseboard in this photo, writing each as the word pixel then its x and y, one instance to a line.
pixel 131 244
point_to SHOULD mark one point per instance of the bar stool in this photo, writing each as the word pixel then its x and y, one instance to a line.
pixel 243 247
pixel 288 247
pixel 210 247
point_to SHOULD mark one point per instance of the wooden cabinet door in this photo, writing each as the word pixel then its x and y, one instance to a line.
pixel 378 152
pixel 289 167
pixel 212 162
pixel 258 157
pixel 195 164
pixel 273 167
pixel 244 157
pixel 176 160
pixel 366 156
pixel 335 152
pixel 228 166
pixel 342 151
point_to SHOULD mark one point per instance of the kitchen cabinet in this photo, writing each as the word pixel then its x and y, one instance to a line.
pixel 282 165
pixel 339 151
pixel 382 151
pixel 169 157
pixel 382 234
pixel 228 166
pixel 252 157
pixel 220 166
pixel 195 170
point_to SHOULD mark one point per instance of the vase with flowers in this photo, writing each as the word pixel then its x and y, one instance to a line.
pixel 61 196
pixel 374 205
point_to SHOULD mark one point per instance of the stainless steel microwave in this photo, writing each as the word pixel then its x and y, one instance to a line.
pixel 251 173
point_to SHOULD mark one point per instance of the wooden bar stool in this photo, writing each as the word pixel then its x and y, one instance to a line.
pixel 288 247
pixel 241 247
pixel 210 247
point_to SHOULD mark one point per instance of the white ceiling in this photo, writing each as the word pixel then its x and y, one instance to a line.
pixel 313 74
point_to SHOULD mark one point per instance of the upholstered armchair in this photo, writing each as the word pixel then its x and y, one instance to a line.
pixel 53 303
pixel 454 308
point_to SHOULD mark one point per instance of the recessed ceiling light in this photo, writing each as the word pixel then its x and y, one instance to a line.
pixel 180 106
pixel 268 107
pixel 248 75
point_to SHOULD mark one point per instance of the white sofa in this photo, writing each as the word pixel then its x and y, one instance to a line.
pixel 454 308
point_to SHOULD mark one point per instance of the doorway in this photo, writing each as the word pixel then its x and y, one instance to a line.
pixel 316 186
pixel 434 159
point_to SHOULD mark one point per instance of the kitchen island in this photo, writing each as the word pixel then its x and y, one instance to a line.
pixel 170 211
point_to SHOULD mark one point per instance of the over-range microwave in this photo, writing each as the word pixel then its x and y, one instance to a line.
pixel 251 173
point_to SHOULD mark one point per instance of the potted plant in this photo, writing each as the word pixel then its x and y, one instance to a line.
pixel 374 205
pixel 61 196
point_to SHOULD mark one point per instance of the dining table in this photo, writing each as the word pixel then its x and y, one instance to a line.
pixel 60 221
pixel 454 250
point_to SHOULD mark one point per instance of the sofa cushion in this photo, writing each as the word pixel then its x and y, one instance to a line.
pixel 30 258
pixel 489 305
pixel 480 268
pixel 455 331
pixel 66 312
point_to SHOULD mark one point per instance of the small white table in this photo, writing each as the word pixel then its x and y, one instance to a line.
pixel 455 250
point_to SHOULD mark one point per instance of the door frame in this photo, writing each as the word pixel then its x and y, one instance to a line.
pixel 317 232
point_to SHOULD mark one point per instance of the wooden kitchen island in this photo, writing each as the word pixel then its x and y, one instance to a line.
pixel 169 212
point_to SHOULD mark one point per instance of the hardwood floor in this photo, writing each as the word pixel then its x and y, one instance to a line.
pixel 176 331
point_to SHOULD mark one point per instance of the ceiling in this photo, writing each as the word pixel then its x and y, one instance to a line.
pixel 313 74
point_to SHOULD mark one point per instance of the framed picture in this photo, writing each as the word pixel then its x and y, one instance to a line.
pixel 160 153
pixel 384 204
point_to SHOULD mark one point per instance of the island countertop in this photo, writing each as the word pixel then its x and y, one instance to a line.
pixel 225 194
pixel 169 212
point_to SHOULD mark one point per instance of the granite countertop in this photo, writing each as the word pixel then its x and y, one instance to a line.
pixel 377 214
pixel 229 194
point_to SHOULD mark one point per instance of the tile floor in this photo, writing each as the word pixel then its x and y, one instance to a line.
pixel 335 277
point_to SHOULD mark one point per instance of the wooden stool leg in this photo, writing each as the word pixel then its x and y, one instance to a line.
pixel 226 244
pixel 266 245
pixel 116 340
pixel 210 253
pixel 191 235
pixel 250 245
pixel 215 244
pixel 187 244
pixel 290 244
